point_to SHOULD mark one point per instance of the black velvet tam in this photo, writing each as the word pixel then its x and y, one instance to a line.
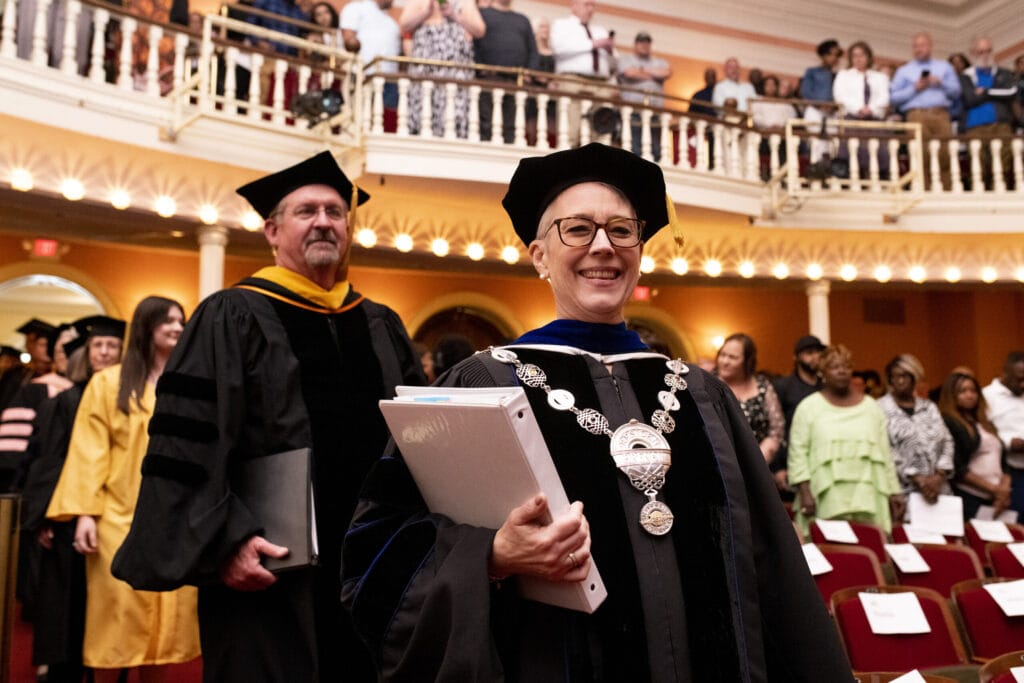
pixel 539 180
pixel 265 193
pixel 37 327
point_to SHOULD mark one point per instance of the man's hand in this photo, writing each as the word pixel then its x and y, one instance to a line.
pixel 44 537
pixel 559 551
pixel 243 571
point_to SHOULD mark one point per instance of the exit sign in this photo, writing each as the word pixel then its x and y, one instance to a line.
pixel 641 293
pixel 44 248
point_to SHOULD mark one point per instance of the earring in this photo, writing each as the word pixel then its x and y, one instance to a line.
pixel 543 276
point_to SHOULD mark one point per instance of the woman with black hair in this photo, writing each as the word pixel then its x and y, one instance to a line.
pixel 736 365
pixel 99 485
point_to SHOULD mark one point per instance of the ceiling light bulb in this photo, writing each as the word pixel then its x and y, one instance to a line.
pixel 883 273
pixel 120 199
pixel 989 274
pixel 848 272
pixel 252 221
pixel 953 274
pixel 746 269
pixel 165 206
pixel 475 251
pixel 439 246
pixel 713 267
pixel 21 179
pixel 680 266
pixel 1019 273
pixel 403 242
pixel 917 274
pixel 72 188
pixel 647 264
pixel 780 271
pixel 366 238
pixel 510 255
pixel 814 271
pixel 208 214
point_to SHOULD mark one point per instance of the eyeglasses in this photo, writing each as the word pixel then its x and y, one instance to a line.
pixel 305 212
pixel 577 231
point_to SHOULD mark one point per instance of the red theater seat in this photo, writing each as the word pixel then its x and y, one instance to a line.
pixel 949 564
pixel 852 565
pixel 868 535
pixel 1003 562
pixel 990 633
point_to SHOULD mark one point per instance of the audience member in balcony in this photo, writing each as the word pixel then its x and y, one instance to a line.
pixel 542 36
pixel 546 63
pixel 732 88
pixel 1018 105
pixel 980 473
pixel 921 446
pixel 816 85
pixel 756 78
pixel 863 93
pixel 1005 398
pixel 705 94
pixel 368 28
pixel 441 31
pixel 791 390
pixel 644 72
pixel 283 8
pixel 736 365
pixel 959 62
pixel 99 485
pixel 770 116
pixel 988 93
pixel 509 42
pixel 585 50
pixel 839 458
pixel 924 89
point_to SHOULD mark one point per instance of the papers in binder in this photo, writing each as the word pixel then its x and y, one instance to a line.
pixel 944 516
pixel 476 454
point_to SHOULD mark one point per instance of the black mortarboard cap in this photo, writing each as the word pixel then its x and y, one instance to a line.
pixel 539 180
pixel 51 339
pixel 37 327
pixel 265 193
pixel 100 326
pixel 6 350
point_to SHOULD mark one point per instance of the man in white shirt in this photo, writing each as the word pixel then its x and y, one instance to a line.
pixel 730 88
pixel 586 51
pixel 641 71
pixel 1005 398
pixel 368 29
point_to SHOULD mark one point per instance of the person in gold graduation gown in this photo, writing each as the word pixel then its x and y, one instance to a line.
pixel 99 485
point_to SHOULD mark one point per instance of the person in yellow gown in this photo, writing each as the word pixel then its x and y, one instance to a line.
pixel 99 485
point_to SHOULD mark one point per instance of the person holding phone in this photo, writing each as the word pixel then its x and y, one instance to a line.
pixel 923 90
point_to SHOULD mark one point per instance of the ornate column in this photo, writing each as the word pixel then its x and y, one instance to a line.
pixel 212 241
pixel 817 309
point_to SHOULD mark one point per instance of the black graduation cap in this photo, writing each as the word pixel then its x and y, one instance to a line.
pixel 6 350
pixel 265 193
pixel 539 180
pixel 37 327
pixel 100 326
pixel 51 340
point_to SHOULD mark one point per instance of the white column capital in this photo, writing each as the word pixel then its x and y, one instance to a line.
pixel 817 309
pixel 818 288
pixel 212 241
pixel 212 235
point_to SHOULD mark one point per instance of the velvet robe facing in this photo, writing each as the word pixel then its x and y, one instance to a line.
pixel 726 596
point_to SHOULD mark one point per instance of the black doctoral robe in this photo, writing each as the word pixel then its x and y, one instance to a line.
pixel 726 596
pixel 257 373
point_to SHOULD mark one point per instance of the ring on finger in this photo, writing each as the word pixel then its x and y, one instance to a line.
pixel 572 560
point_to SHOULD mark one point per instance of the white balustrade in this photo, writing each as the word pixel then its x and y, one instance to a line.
pixel 543 142
pixel 153 60
pixel 665 131
pixel 403 107
pixel 752 170
pixel 854 157
pixel 474 113
pixel 1018 164
pixel 124 62
pixel 977 184
pixel 586 107
pixel 255 86
pixel 774 140
pixel 563 122
pixel 954 167
pixel 230 81
pixel 277 96
pixel 718 135
pixel 426 108
pixel 100 19
pixel 996 150
pixel 625 117
pixel 498 116
pixel 377 115
pixel 874 181
pixel 39 56
pixel 69 41
pixel 450 90
pixel 8 48
pixel 519 137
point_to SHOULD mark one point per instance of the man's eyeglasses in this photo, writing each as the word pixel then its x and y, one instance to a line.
pixel 305 212
pixel 577 231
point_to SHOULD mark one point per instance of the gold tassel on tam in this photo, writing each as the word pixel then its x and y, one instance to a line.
pixel 352 204
pixel 673 222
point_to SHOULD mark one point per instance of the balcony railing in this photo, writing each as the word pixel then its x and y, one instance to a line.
pixel 194 76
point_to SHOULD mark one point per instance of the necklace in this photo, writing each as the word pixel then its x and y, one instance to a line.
pixel 640 451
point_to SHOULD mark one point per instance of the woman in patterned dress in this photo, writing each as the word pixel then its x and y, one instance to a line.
pixel 736 365
pixel 443 31
pixel 922 448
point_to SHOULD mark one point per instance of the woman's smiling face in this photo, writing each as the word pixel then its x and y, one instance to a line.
pixel 591 283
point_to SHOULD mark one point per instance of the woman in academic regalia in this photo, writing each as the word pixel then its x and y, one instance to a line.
pixel 99 485
pixel 705 579
pixel 59 617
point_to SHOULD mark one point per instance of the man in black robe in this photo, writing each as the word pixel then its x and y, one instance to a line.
pixel 289 358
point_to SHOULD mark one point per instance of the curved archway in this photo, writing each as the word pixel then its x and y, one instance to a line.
pixel 661 327
pixel 488 309
pixel 48 291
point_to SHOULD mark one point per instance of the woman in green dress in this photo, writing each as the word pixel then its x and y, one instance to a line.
pixel 839 459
